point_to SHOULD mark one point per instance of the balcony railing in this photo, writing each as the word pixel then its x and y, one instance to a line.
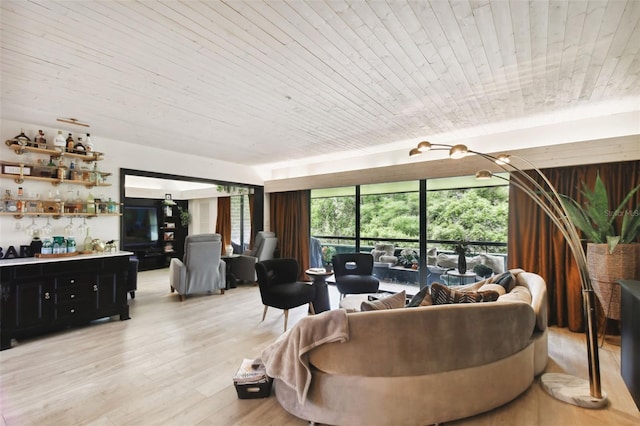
pixel 398 275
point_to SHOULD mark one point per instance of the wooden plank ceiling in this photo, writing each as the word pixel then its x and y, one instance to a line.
pixel 255 82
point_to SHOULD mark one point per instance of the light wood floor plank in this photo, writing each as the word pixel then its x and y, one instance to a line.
pixel 173 362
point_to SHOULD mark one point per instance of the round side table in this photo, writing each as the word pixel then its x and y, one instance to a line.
pixel 462 278
pixel 321 303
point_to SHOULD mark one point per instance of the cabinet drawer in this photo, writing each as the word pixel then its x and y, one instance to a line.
pixel 73 292
pixel 72 311
pixel 75 281
pixel 78 266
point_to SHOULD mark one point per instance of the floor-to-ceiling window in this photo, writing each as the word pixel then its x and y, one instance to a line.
pixel 390 213
pixel 333 219
pixel 358 218
pixel 464 208
pixel 240 221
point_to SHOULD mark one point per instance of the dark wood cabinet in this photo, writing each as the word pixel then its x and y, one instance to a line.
pixel 39 295
pixel 170 233
pixel 33 304
pixel 630 337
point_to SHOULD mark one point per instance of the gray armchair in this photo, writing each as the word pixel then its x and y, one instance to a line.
pixel 202 270
pixel 244 266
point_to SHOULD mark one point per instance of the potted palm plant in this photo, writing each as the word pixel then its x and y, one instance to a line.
pixel 612 251
pixel 327 256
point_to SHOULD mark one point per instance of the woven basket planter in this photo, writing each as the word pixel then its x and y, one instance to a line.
pixel 606 269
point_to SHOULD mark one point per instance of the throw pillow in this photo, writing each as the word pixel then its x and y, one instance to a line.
pixel 392 302
pixel 422 298
pixel 442 295
pixel 506 280
pixel 493 287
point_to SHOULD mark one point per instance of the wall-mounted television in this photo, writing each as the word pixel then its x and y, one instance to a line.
pixel 140 226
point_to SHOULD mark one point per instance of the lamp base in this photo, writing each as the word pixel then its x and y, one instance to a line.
pixel 571 390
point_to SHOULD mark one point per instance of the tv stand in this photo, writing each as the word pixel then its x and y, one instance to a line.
pixel 171 233
pixel 149 257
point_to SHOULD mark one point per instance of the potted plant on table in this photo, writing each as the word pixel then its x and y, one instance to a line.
pixel 612 253
pixel 462 248
pixel 327 257
pixel 408 257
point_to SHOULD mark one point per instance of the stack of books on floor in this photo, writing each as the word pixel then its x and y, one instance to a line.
pixel 251 380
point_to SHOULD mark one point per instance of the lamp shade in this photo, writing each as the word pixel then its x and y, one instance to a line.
pixel 414 152
pixel 483 174
pixel 424 146
pixel 458 151
pixel 503 159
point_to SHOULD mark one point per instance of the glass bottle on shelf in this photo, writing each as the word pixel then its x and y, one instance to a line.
pixel 53 166
pixel 95 175
pixel 91 205
pixel 20 204
pixel 62 169
pixel 88 143
pixel 23 140
pixel 40 140
pixel 73 174
pixel 70 143
pixel 47 247
pixel 111 206
pixel 69 203
pixel 78 202
pixel 71 245
pixel 88 241
pixel 80 145
pixel 59 142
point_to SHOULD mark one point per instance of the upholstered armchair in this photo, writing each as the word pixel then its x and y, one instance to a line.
pixel 202 270
pixel 384 253
pixel 353 273
pixel 244 266
pixel 280 288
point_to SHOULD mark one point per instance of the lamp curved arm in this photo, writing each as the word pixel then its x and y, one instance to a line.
pixel 551 203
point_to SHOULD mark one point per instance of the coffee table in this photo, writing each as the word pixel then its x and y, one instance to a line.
pixel 462 278
pixel 353 301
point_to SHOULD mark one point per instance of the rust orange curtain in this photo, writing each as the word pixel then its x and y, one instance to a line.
pixel 536 245
pixel 289 219
pixel 223 223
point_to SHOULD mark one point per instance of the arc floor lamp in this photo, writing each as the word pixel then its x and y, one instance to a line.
pixel 561 386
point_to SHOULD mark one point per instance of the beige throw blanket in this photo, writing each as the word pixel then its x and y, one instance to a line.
pixel 287 358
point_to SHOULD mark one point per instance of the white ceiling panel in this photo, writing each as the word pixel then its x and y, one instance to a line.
pixel 255 82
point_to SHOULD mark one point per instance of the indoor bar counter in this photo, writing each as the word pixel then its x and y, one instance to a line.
pixel 51 293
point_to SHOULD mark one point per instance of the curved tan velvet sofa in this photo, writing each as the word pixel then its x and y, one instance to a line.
pixel 427 365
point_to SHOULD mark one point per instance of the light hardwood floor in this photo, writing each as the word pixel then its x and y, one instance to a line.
pixel 172 364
